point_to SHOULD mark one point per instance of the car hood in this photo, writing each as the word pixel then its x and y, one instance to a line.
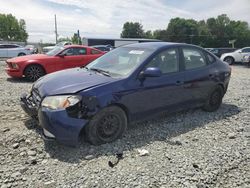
pixel 70 81
pixel 28 57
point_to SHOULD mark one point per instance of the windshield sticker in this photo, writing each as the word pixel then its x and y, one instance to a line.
pixel 137 52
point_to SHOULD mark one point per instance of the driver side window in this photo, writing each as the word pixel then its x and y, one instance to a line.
pixel 74 51
pixel 68 52
pixel 167 61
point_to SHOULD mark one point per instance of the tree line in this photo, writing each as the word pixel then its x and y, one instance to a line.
pixel 213 32
pixel 12 29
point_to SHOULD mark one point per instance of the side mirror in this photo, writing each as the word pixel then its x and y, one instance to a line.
pixel 151 72
pixel 240 51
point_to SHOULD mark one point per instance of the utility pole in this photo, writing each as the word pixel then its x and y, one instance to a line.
pixel 56 28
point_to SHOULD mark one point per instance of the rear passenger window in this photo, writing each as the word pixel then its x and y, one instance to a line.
pixel 193 58
pixel 95 52
pixel 82 51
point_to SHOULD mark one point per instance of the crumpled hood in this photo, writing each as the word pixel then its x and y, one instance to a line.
pixel 70 81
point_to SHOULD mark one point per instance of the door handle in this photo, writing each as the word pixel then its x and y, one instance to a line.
pixel 178 83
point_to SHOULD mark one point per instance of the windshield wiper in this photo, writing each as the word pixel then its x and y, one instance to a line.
pixel 106 73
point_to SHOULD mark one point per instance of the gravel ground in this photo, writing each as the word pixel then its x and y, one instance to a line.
pixel 186 149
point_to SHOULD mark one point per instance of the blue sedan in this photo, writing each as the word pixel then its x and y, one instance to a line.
pixel 128 84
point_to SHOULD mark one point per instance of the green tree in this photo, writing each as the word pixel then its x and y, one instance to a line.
pixel 223 29
pixel 213 32
pixel 148 34
pixel 182 30
pixel 62 39
pixel 23 35
pixel 161 34
pixel 132 30
pixel 11 29
pixel 75 39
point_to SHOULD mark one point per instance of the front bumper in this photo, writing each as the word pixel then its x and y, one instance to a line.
pixel 56 124
pixel 14 72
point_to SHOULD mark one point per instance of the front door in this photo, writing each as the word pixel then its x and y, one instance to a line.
pixel 244 51
pixel 155 94
pixel 72 57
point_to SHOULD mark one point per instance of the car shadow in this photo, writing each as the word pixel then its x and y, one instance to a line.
pixel 161 128
pixel 18 80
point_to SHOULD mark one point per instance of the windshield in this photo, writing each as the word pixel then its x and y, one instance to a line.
pixel 55 51
pixel 120 62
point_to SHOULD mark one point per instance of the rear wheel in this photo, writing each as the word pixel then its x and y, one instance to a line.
pixel 214 100
pixel 229 60
pixel 21 54
pixel 33 72
pixel 106 126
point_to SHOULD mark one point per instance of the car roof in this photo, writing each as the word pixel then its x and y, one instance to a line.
pixel 226 48
pixel 98 46
pixel 157 45
pixel 77 46
pixel 10 44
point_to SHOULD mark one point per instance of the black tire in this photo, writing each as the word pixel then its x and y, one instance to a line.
pixel 214 100
pixel 106 126
pixel 34 72
pixel 21 54
pixel 229 60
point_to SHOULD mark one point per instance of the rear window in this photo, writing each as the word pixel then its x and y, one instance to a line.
pixel 10 46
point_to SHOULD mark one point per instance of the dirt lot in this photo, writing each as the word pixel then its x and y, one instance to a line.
pixel 186 149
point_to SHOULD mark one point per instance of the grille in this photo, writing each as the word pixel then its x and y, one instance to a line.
pixel 36 98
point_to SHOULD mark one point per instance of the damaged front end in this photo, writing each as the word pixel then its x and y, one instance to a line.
pixel 85 109
pixel 30 103
pixel 62 117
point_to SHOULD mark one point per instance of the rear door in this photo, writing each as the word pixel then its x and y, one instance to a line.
pixel 3 51
pixel 93 54
pixel 13 50
pixel 199 74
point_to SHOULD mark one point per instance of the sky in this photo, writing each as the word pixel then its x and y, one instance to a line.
pixel 105 18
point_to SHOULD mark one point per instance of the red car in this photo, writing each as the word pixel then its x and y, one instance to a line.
pixel 34 66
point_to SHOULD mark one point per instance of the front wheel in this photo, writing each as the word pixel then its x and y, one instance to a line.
pixel 106 126
pixel 214 100
pixel 229 60
pixel 33 72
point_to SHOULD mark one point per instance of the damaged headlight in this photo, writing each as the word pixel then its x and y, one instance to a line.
pixel 60 101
